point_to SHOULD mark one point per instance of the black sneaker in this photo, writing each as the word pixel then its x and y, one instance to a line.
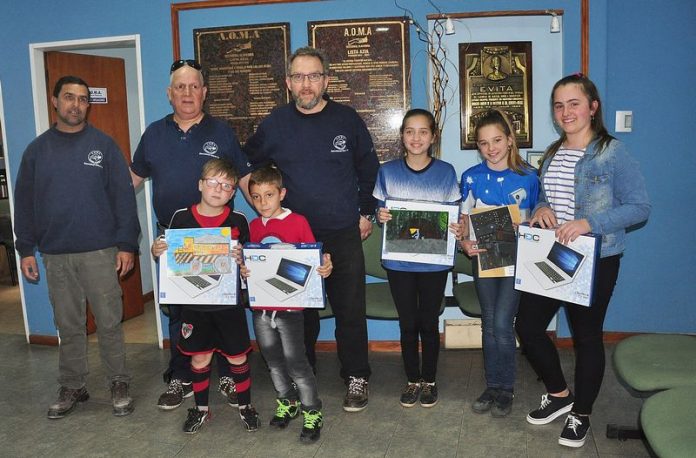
pixel 484 402
pixel 575 430
pixel 175 395
pixel 66 402
pixel 195 420
pixel 551 408
pixel 286 411
pixel 249 417
pixel 228 390
pixel 311 429
pixel 410 394
pixel 503 404
pixel 121 401
pixel 428 397
pixel 356 396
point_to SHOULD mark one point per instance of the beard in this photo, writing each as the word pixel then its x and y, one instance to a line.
pixel 309 104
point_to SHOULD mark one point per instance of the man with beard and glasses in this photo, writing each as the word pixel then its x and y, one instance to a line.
pixel 329 167
pixel 74 204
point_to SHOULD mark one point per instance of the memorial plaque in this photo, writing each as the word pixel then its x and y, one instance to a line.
pixel 369 71
pixel 245 72
pixel 496 75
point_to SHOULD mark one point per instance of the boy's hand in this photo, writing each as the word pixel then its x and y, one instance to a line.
pixel 383 215
pixel 244 271
pixel 159 246
pixel 237 254
pixel 326 266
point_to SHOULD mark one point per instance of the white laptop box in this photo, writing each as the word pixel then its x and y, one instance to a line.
pixel 284 275
pixel 191 274
pixel 549 268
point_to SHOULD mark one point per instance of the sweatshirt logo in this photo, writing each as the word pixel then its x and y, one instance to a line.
pixel 209 149
pixel 94 158
pixel 339 143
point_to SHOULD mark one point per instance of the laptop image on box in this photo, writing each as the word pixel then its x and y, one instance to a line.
pixel 290 279
pixel 195 285
pixel 559 268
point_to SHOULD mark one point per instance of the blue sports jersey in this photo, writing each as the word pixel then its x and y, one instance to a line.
pixel 481 187
pixel 435 183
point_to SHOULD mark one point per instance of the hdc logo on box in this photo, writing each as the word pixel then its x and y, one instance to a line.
pixel 530 237
pixel 255 258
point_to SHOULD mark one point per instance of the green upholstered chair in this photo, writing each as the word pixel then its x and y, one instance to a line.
pixel 379 300
pixel 668 421
pixel 653 362
pixel 465 293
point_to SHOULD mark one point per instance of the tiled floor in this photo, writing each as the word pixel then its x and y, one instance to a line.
pixel 450 429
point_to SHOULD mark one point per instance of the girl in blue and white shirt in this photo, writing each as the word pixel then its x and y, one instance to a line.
pixel 503 178
pixel 417 288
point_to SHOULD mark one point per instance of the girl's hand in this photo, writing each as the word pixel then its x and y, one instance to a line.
pixel 383 215
pixel 244 271
pixel 545 218
pixel 159 246
pixel 457 230
pixel 471 248
pixel 326 266
pixel 568 232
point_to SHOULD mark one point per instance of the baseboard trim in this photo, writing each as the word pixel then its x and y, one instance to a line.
pixel 147 297
pixel 43 340
pixel 374 345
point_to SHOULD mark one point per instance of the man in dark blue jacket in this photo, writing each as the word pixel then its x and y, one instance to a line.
pixel 74 201
pixel 329 167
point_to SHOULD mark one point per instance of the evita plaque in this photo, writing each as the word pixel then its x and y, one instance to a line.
pixel 496 75
pixel 245 72
pixel 370 68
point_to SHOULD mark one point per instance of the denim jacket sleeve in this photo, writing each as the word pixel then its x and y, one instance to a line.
pixel 624 203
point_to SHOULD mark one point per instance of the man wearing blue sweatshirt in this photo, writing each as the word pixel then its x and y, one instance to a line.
pixel 329 167
pixel 74 201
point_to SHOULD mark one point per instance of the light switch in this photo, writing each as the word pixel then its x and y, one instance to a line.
pixel 624 121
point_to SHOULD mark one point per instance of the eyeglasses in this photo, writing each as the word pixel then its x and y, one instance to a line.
pixel 71 98
pixel 312 77
pixel 181 62
pixel 213 183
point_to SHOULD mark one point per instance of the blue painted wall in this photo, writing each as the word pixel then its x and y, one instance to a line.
pixel 640 58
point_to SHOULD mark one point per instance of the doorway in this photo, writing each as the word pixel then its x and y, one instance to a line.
pixel 145 328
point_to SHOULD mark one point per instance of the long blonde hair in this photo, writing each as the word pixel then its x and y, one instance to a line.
pixel 495 117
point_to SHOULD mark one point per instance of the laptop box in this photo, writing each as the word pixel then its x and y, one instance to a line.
pixel 284 275
pixel 198 268
pixel 549 268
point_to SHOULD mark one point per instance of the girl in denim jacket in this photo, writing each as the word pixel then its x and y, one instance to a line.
pixel 589 184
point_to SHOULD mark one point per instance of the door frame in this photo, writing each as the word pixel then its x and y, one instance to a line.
pixel 39 91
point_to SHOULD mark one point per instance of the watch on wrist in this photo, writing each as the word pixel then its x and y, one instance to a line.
pixel 371 218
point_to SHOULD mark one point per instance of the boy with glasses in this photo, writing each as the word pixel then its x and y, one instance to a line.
pixel 209 329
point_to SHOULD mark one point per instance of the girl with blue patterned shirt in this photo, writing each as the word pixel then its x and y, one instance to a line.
pixel 417 288
pixel 503 178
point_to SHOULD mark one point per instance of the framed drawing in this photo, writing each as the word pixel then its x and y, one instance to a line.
pixel 419 232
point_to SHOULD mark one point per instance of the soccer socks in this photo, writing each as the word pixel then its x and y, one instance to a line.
pixel 242 381
pixel 201 381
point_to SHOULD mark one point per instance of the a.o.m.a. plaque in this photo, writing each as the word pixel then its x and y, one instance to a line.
pixel 245 72
pixel 369 70
pixel 496 75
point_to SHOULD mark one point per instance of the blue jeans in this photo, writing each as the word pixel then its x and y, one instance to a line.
pixel 283 348
pixel 499 302
pixel 73 278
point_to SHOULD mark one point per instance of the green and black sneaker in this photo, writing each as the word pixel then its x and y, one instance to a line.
pixel 311 430
pixel 286 411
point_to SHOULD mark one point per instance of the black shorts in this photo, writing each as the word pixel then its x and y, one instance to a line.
pixel 224 331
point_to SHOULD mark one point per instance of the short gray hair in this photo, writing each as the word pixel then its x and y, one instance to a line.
pixel 310 52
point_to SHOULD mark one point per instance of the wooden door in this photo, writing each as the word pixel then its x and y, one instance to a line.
pixel 111 117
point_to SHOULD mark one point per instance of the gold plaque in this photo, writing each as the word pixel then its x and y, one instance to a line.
pixel 496 75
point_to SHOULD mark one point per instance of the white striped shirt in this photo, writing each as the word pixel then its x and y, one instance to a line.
pixel 559 183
